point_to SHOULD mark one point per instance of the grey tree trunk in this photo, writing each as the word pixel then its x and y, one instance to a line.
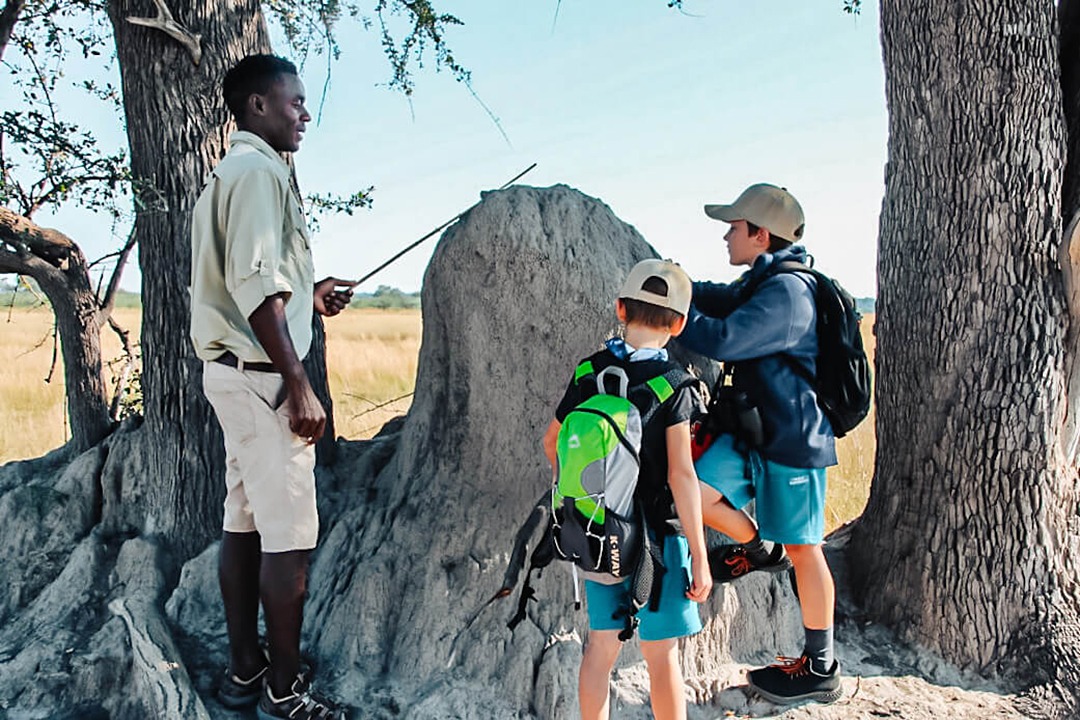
pixel 969 541
pixel 78 322
pixel 315 366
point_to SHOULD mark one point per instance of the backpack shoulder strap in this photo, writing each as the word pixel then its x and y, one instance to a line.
pixel 584 370
pixel 664 386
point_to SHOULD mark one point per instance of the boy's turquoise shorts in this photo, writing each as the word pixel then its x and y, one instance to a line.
pixel 677 616
pixel 790 505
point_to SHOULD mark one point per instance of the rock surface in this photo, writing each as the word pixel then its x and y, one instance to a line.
pixel 418 524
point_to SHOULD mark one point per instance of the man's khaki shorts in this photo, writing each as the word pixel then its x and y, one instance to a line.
pixel 269 471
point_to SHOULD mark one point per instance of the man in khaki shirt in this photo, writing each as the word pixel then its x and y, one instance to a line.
pixel 252 296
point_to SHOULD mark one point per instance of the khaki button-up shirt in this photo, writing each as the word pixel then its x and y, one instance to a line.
pixel 249 240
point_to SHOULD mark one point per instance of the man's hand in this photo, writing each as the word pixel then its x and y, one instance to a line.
pixel 307 417
pixel 329 299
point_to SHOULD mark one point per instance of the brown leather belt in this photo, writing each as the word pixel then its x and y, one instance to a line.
pixel 234 362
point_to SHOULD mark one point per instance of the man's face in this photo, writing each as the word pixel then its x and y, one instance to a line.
pixel 743 247
pixel 282 117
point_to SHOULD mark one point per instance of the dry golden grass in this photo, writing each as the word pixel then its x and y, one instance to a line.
pixel 372 356
pixel 32 413
pixel 849 482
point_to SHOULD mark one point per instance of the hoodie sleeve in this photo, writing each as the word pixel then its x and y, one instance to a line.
pixel 715 299
pixel 777 318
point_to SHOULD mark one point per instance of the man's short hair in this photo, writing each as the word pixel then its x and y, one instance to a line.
pixel 776 244
pixel 653 316
pixel 254 75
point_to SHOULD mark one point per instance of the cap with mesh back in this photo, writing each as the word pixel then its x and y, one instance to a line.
pixel 767 206
pixel 673 276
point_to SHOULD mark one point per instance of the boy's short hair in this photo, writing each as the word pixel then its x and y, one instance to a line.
pixel 656 293
pixel 776 243
pixel 254 75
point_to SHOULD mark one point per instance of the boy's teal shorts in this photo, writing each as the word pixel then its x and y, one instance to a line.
pixel 790 505
pixel 677 616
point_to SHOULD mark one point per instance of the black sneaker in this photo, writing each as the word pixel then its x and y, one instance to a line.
pixel 235 692
pixel 730 562
pixel 299 704
pixel 794 680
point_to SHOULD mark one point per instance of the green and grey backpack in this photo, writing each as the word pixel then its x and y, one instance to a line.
pixel 597 519
pixel 592 502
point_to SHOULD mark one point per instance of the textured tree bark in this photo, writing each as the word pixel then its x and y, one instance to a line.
pixel 315 366
pixel 177 131
pixel 79 321
pixel 1069 59
pixel 969 543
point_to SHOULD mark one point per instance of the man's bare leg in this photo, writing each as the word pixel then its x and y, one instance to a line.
pixel 283 583
pixel 238 576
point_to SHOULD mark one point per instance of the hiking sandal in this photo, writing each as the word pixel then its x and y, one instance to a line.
pixel 300 704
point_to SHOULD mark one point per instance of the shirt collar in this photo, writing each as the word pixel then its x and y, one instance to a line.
pixel 243 137
pixel 625 351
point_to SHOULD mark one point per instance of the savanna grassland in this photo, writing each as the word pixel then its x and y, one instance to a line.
pixel 372 357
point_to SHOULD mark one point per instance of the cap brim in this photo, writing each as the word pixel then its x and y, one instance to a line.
pixel 722 212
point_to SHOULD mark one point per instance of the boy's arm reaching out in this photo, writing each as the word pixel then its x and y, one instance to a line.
pixel 684 489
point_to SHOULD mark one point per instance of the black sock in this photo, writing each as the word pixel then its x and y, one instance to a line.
pixel 819 648
pixel 756 551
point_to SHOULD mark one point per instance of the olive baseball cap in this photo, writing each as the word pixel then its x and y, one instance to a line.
pixel 677 297
pixel 767 206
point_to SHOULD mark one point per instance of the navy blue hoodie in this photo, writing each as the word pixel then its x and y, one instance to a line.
pixel 779 318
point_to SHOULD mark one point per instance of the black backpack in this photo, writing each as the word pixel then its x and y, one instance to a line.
pixel 842 383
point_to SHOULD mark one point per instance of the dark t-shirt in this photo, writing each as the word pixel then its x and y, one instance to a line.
pixel 684 405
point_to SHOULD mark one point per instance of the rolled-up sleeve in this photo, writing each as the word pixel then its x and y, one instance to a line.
pixel 254 221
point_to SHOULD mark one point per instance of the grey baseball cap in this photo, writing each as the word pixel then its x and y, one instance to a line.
pixel 678 285
pixel 767 206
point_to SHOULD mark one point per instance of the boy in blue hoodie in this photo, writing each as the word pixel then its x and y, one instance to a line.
pixel 785 475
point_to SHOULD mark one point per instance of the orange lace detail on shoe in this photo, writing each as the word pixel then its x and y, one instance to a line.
pixel 739 564
pixel 796 667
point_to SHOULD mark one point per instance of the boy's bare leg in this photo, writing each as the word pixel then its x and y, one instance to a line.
pixel 718 514
pixel 283 582
pixel 817 594
pixel 238 576
pixel 667 693
pixel 601 652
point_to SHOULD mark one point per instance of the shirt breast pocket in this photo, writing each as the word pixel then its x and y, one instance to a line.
pixel 298 243
pixel 297 229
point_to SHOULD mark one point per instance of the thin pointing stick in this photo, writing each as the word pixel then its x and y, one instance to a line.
pixel 446 224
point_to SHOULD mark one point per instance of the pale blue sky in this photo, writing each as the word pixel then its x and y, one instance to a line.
pixel 651 110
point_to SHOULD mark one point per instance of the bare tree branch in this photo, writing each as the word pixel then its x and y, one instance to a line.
pixel 8 17
pixel 164 22
pixel 55 355
pixel 125 372
pixel 109 298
